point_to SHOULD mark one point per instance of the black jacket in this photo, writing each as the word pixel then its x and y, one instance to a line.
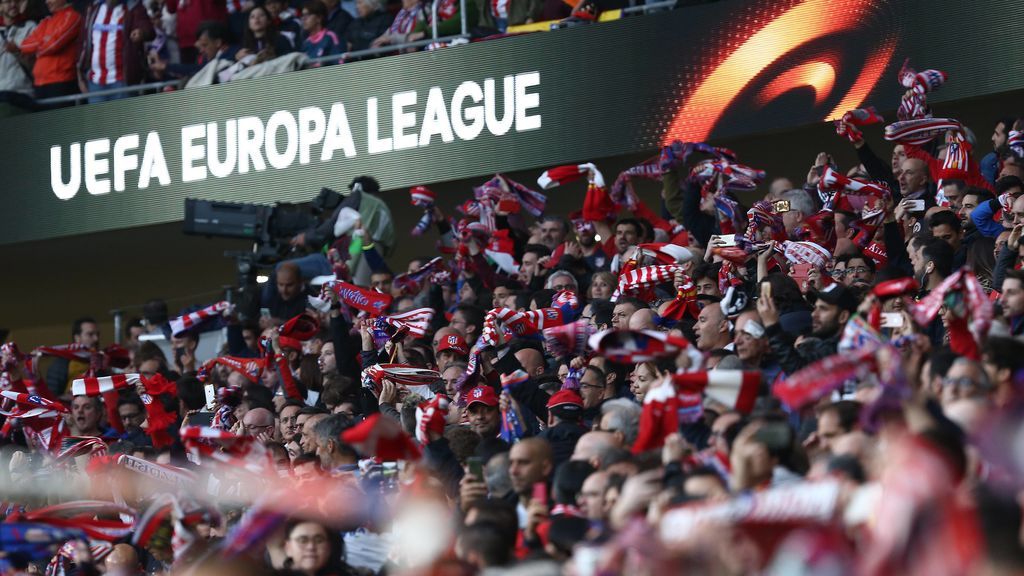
pixel 562 437
pixel 793 358
pixel 363 31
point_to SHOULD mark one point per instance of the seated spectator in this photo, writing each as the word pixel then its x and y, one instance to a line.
pixel 193 17
pixel 412 13
pixel 213 44
pixel 319 41
pixel 54 43
pixel 371 23
pixel 283 19
pixel 15 73
pixel 112 26
pixel 261 38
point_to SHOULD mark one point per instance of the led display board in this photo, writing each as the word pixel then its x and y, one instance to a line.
pixel 717 70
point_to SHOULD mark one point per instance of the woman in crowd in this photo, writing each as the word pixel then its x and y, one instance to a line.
pixel 261 38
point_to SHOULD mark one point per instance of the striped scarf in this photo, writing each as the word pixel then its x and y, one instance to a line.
pixel 640 282
pixel 964 295
pixel 919 130
pixel 193 319
pixel 511 420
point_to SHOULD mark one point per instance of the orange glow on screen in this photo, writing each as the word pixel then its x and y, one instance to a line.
pixel 803 23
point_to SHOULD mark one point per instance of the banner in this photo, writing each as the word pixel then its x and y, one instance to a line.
pixel 703 72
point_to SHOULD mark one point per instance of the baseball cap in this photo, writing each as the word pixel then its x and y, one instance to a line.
pixel 838 295
pixel 566 399
pixel 453 342
pixel 482 395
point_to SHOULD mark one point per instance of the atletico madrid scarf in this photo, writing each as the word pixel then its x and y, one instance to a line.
pixel 964 296
pixel 512 429
pixel 158 417
pixel 193 319
pixel 431 416
pixel 822 377
pixel 412 282
pixel 369 301
pixel 81 515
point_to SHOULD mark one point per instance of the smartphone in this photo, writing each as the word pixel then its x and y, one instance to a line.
pixel 781 206
pixel 264 312
pixel 915 205
pixel 766 290
pixel 892 320
pixel 540 492
pixel 200 419
pixel 476 466
pixel 211 396
pixel 726 239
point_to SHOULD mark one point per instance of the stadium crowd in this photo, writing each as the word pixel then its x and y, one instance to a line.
pixel 826 382
pixel 87 46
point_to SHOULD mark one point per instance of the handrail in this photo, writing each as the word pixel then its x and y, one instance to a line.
pixel 433 17
pixel 645 8
pixel 462 15
pixel 382 49
pixel 109 92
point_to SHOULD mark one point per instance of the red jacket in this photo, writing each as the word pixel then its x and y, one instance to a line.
pixel 193 12
pixel 133 57
pixel 55 43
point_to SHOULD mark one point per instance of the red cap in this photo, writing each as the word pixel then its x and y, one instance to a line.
pixel 453 342
pixel 302 327
pixel 483 395
pixel 566 399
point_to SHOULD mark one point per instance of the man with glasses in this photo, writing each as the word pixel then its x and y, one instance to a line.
pixel 259 423
pixel 858 270
pixel 965 379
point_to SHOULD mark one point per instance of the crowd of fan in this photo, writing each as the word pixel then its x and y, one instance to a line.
pixel 828 382
pixel 88 46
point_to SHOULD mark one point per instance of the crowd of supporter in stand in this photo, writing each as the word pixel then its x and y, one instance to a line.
pixel 86 46
pixel 828 382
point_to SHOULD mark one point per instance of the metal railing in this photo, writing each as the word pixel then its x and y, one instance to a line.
pixel 356 54
pixel 135 89
pixel 650 7
pixel 352 55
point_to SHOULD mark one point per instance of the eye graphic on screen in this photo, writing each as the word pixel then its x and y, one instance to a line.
pixel 838 49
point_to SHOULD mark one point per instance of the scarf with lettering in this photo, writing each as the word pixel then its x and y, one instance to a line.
pixel 820 378
pixel 369 301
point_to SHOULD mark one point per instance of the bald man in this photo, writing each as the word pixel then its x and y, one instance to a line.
pixel 913 179
pixel 123 560
pixel 259 422
pixel 532 361
pixel 642 319
pixel 530 461
pixel 591 496
pixel 592 446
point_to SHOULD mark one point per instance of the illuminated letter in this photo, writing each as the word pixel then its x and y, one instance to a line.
pixel 401 120
pixel 282 119
pixel 339 135
pixel 96 167
pixel 60 189
pixel 124 162
pixel 153 163
pixel 191 153
pixel 375 145
pixel 435 119
pixel 217 168
pixel 495 126
pixel 311 130
pixel 250 140
pixel 472 113
pixel 526 101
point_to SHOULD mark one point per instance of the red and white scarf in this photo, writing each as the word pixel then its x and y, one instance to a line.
pixel 417 321
pixel 192 319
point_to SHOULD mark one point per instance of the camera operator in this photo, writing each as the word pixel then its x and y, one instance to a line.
pixel 376 220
